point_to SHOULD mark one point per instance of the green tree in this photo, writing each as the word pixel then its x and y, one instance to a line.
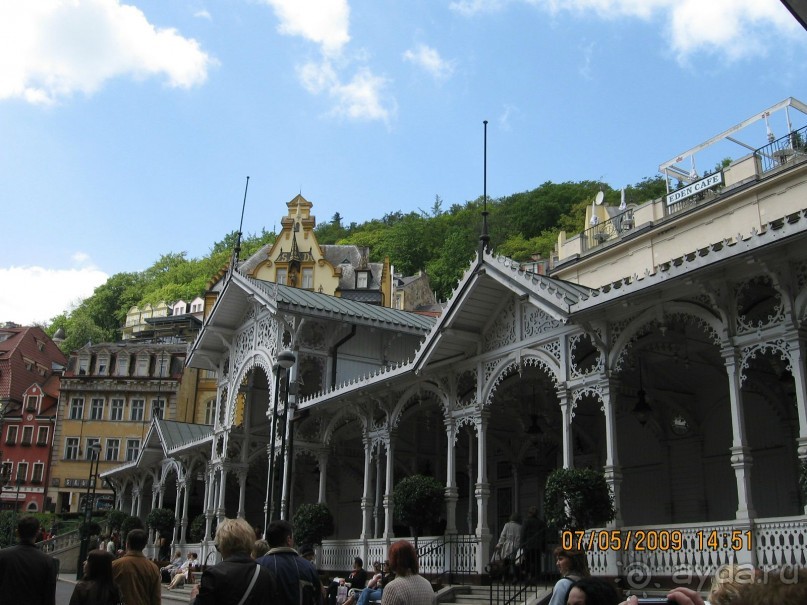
pixel 578 498
pixel 418 502
pixel 312 523
pixel 161 520
pixel 114 519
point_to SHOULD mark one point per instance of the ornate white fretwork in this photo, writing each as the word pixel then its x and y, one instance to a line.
pixel 267 336
pixel 578 342
pixel 243 345
pixel 778 346
pixel 775 308
pixel 503 330
pixel 536 321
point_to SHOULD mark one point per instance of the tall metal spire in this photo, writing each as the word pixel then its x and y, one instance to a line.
pixel 484 238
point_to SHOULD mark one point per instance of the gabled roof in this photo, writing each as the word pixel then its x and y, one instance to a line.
pixel 234 300
pixel 21 343
pixel 178 435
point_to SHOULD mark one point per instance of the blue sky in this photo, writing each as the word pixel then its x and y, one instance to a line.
pixel 128 129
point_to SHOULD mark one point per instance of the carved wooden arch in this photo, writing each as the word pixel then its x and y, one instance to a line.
pixel 649 318
pixel 257 360
pixel 171 465
pixel 341 418
pixel 780 346
pixel 400 405
pixel 515 363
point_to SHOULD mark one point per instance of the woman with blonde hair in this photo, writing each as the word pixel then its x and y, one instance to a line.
pixel 237 580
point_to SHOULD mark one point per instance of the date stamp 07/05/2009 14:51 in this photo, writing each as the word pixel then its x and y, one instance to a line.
pixel 655 539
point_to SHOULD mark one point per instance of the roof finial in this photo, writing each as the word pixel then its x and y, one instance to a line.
pixel 484 238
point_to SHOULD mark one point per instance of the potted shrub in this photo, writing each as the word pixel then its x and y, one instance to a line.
pixel 312 524
pixel 161 520
pixel 578 498
pixel 418 502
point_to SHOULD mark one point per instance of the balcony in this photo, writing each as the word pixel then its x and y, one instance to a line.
pixel 611 229
pixel 786 150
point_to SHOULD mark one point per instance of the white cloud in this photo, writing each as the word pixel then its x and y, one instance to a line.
pixel 324 22
pixel 50 49
pixel 37 294
pixel 429 59
pixel 203 14
pixel 733 28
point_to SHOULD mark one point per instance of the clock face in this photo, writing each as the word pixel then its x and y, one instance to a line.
pixel 680 425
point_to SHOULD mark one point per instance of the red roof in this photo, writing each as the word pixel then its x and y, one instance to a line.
pixel 26 356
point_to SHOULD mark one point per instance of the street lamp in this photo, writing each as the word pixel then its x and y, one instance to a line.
pixel 285 360
pixel 94 454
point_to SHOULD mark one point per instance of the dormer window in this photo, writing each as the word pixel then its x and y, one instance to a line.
pixel 282 277
pixel 83 365
pixel 308 279
pixel 31 403
pixel 362 280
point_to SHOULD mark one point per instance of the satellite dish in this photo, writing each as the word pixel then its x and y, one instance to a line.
pixel 600 197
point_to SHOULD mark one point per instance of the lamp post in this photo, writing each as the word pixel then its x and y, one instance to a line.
pixel 285 360
pixel 94 454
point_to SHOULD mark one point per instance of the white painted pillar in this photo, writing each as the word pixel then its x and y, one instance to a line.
pixel 566 427
pixel 379 502
pixel 366 500
pixel 221 511
pixel 451 492
pixel 322 459
pixel 242 492
pixel 741 459
pixel 183 536
pixel 797 357
pixel 388 506
pixel 482 492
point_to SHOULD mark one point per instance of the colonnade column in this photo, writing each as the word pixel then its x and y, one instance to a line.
pixel 135 498
pixel 155 494
pixel 210 491
pixel 741 459
pixel 566 427
pixel 322 460
pixel 139 508
pixel 177 513
pixel 366 500
pixel 378 498
pixel 612 470
pixel 388 493
pixel 242 492
pixel 183 534
pixel 797 356
pixel 451 492
pixel 221 511
pixel 482 491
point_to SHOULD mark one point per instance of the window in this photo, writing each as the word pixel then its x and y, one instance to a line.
pixel 42 436
pixel 210 411
pixel 91 441
pixel 308 279
pixel 361 279
pixel 22 472
pixel 112 449
pixel 83 366
pixel 77 408
pixel 71 448
pixel 97 409
pixel 11 436
pixel 103 364
pixel 281 276
pixel 27 435
pixel 163 363
pixel 142 366
pixel 158 408
pixel 209 374
pixel 31 403
pixel 123 365
pixel 138 405
pixel 132 448
pixel 116 409
pixel 39 468
pixel 6 469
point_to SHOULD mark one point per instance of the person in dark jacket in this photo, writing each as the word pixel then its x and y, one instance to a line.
pixel 297 579
pixel 238 574
pixel 27 575
pixel 97 586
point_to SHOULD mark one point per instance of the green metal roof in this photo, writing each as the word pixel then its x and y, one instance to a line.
pixel 289 297
pixel 176 434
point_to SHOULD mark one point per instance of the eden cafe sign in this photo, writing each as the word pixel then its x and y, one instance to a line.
pixel 713 180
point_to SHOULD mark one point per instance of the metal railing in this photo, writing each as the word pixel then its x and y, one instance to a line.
pixel 788 148
pixel 449 559
pixel 600 233
pixel 522 577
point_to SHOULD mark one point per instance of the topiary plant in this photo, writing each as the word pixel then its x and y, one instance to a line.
pixel 127 525
pixel 162 520
pixel 312 523
pixel 114 519
pixel 418 502
pixel 578 498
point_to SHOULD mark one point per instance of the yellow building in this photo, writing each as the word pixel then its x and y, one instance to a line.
pixel 296 259
pixel 110 393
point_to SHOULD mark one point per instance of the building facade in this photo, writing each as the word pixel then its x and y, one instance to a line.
pixel 30 364
pixel 667 351
pixel 110 394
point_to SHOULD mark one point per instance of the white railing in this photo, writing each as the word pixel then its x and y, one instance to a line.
pixel 698 549
pixel 438 554
pixel 60 542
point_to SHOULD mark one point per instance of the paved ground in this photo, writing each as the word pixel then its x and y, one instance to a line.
pixel 64 588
